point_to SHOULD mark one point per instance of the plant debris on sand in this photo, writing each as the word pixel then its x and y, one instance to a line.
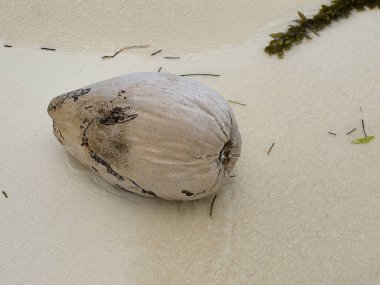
pixel 338 10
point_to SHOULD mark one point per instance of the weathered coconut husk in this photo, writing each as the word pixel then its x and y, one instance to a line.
pixel 155 134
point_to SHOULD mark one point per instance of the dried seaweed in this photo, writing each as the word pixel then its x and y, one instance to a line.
pixel 364 140
pixel 337 10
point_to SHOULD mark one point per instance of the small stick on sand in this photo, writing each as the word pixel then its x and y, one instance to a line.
pixel 365 134
pixel 212 206
pixel 156 52
pixel 353 130
pixel 123 49
pixel 50 49
pixel 237 103
pixel 270 149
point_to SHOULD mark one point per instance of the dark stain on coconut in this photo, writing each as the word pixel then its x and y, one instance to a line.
pixel 117 115
pixel 84 136
pixel 142 189
pixel 73 94
pixel 136 186
pixel 187 193
pixel 110 170
pixel 225 155
pixel 52 107
pixel 56 133
pixel 144 192
pixel 120 92
pixel 149 192
pixel 77 93
pixel 59 131
pixel 125 189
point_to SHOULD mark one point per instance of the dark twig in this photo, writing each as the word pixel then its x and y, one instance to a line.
pixel 232 176
pixel 212 206
pixel 270 149
pixel 200 74
pixel 8 46
pixel 159 69
pixel 5 194
pixel 51 49
pixel 237 103
pixel 365 134
pixel 353 130
pixel 334 134
pixel 123 49
pixel 171 57
pixel 361 109
pixel 156 52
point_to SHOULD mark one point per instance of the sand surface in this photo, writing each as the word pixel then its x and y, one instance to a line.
pixel 106 24
pixel 308 213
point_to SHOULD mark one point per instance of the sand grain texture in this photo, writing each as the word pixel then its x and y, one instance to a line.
pixel 306 214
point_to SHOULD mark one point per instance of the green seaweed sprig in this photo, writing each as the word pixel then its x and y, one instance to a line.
pixel 304 26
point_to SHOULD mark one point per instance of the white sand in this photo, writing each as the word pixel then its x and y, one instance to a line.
pixel 104 24
pixel 309 213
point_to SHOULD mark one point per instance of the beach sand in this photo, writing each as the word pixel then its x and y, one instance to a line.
pixel 307 213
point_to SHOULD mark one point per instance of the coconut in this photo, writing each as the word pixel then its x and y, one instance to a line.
pixel 155 134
